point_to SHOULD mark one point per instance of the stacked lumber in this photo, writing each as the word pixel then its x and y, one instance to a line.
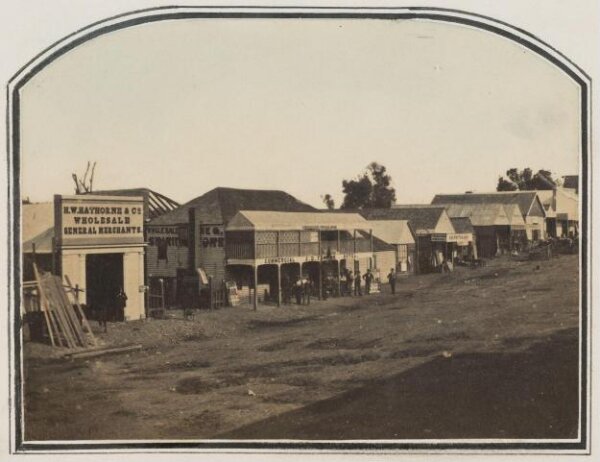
pixel 66 322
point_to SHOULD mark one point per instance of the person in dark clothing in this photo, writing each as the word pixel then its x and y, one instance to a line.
pixel 392 279
pixel 286 290
pixel 306 291
pixel 120 303
pixel 357 281
pixel 298 291
pixel 349 282
pixel 368 277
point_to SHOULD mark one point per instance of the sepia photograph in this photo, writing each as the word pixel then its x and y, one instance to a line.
pixel 299 229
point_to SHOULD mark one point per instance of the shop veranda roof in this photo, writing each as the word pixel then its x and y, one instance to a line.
pixel 252 220
pixel 393 231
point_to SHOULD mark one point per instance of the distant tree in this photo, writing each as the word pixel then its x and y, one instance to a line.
pixel 328 201
pixel 372 189
pixel 526 180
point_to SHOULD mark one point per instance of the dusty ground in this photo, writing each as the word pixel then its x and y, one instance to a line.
pixel 484 353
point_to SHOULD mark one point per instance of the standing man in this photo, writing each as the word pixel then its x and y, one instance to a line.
pixel 349 282
pixel 392 279
pixel 368 277
pixel 121 302
pixel 286 289
pixel 357 281
pixel 307 289
pixel 298 291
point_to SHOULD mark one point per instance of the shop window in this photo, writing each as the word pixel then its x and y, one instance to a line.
pixel 162 249
pixel 402 252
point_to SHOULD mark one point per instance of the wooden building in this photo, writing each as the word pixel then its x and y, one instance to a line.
pixel 465 238
pixel 400 235
pixel 97 241
pixel 562 211
pixel 192 236
pixel 528 202
pixel 494 225
pixel 277 248
pixel 431 225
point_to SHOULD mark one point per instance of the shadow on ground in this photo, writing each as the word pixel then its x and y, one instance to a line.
pixel 525 394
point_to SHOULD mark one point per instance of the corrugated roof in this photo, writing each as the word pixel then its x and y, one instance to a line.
pixel 36 218
pixel 513 214
pixel 393 231
pixel 43 242
pixel 379 245
pixel 272 220
pixel 155 204
pixel 219 205
pixel 523 199
pixel 480 214
pixel 422 218
pixel 462 225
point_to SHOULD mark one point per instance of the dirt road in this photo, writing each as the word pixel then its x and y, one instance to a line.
pixel 485 353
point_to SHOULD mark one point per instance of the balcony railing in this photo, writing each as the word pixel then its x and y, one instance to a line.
pixel 245 251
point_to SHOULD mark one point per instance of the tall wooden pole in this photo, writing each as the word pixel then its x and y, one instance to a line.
pixel 278 284
pixel 255 297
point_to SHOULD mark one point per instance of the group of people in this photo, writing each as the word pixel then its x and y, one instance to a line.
pixel 351 285
pixel 301 290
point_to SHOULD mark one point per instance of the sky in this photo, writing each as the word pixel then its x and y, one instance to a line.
pixel 184 106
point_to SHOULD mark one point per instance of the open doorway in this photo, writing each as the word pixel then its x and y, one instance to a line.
pixel 104 279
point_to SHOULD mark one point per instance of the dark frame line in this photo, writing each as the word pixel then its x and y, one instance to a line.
pixel 131 19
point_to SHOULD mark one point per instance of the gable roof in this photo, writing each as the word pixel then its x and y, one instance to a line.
pixel 219 205
pixel 281 221
pixel 155 204
pixel 36 218
pixel 393 231
pixel 422 218
pixel 462 225
pixel 379 245
pixel 524 199
pixel 493 214
pixel 42 242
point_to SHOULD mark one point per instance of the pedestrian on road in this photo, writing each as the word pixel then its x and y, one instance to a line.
pixel 349 282
pixel 121 303
pixel 298 291
pixel 357 281
pixel 307 290
pixel 368 277
pixel 392 279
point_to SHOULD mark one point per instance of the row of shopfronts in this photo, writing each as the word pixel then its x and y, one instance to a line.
pixel 256 243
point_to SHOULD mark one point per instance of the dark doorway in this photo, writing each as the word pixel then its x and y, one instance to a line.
pixel 104 278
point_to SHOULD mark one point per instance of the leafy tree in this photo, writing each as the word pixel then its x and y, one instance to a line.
pixel 372 189
pixel 526 180
pixel 328 201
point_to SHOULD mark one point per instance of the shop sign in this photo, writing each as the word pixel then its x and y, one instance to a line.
pixel 212 236
pixel 461 239
pixel 169 236
pixel 92 220
pixel 438 237
pixel 311 258
pixel 276 260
